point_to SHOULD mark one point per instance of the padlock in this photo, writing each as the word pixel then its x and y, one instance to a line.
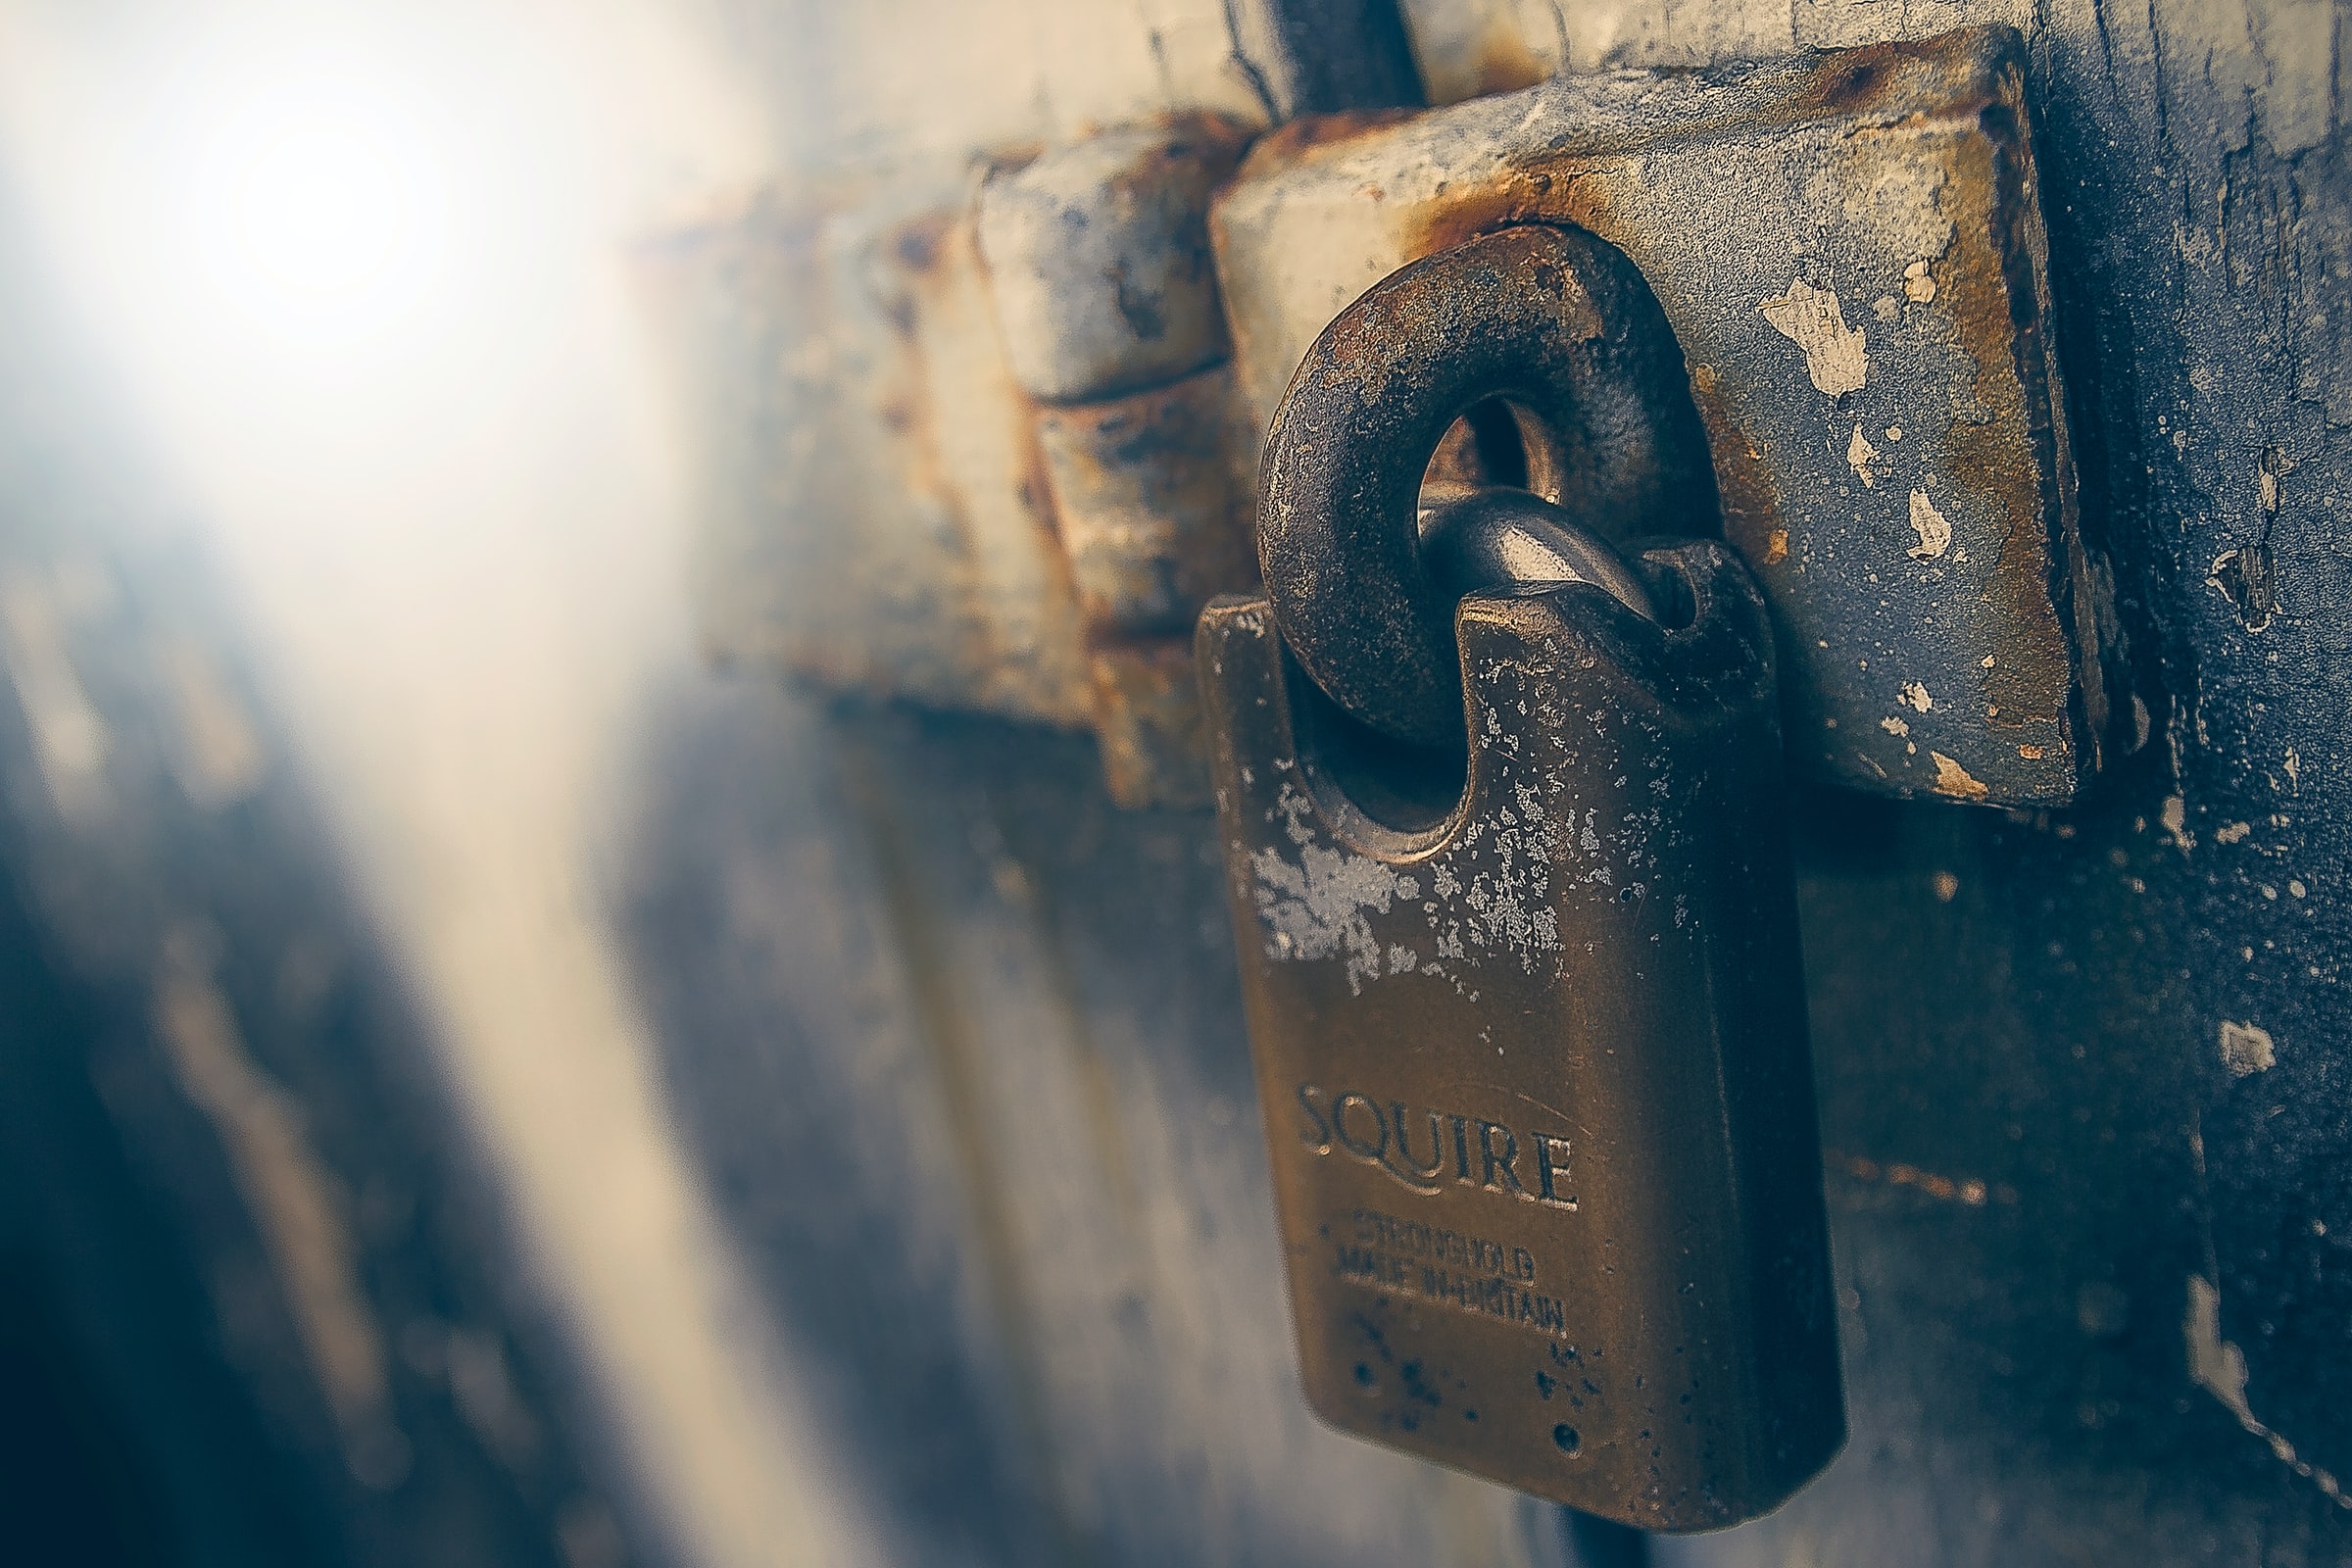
pixel 1527 1009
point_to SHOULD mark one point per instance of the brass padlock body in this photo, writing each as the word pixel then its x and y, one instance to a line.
pixel 1536 1077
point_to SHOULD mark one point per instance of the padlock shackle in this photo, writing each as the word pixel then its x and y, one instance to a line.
pixel 1551 319
pixel 1507 542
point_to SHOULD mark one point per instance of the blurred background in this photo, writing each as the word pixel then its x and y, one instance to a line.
pixel 341 564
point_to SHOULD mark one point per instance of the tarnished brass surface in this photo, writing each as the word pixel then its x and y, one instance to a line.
pixel 1534 1062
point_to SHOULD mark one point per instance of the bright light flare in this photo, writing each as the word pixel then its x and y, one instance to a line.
pixel 304 209
pixel 290 234
pixel 349 241
pixel 354 264
pixel 317 211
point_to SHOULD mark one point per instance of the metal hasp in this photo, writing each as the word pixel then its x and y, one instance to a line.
pixel 1849 249
pixel 972 441
pixel 1536 1075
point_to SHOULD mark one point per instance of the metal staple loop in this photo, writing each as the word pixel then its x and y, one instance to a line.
pixel 1549 318
pixel 1500 541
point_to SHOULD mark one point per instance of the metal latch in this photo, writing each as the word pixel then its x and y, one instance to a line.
pixel 1850 250
pixel 977 442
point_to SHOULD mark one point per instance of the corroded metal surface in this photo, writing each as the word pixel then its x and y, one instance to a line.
pixel 1555 320
pixel 1097 253
pixel 872 515
pixel 1535 1073
pixel 1849 249
pixel 928 477
pixel 1147 720
pixel 1107 304
pixel 2091 1291
pixel 1153 510
pixel 964 447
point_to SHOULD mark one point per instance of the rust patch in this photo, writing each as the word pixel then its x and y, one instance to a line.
pixel 2001 450
pixel 1752 521
pixel 1887 82
pixel 1506 63
pixel 1519 195
pixel 1192 138
pixel 1848 86
pixel 1150 725
pixel 1299 141
pixel 1154 504
pixel 1196 139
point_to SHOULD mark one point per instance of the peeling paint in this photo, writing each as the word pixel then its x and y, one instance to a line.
pixel 1935 533
pixel 2247 576
pixel 1918 287
pixel 1316 907
pixel 2247 1048
pixel 1954 780
pixel 1491 889
pixel 1860 454
pixel 1835 354
pixel 1915 697
pixel 2219 1368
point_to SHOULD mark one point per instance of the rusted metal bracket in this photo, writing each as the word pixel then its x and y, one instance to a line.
pixel 971 441
pixel 1849 249
pixel 989 441
pixel 1106 300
